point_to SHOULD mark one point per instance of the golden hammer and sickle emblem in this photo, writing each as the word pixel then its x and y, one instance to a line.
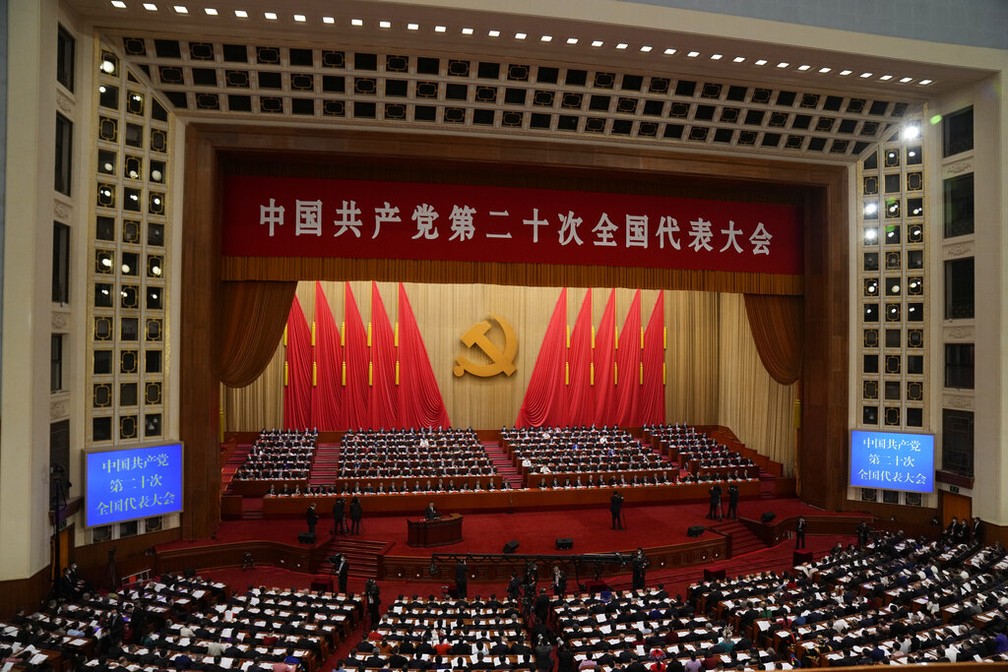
pixel 501 359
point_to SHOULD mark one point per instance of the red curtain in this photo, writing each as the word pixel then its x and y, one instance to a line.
pixel 580 395
pixel 355 361
pixel 604 357
pixel 628 362
pixel 545 396
pixel 776 325
pixel 420 400
pixel 327 394
pixel 384 397
pixel 652 410
pixel 297 370
pixel 253 323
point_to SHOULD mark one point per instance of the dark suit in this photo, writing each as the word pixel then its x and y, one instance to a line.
pixel 342 574
pixel 800 533
pixel 616 508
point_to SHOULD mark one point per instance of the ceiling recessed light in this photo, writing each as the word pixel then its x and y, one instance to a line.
pixel 440 29
pixel 467 31
pixel 669 51
pixel 885 78
pixel 181 9
pixel 300 18
pixel 493 33
pixel 210 11
pixel 761 61
pixel 865 75
pixel 572 40
pixel 738 59
pixel 241 13
pixel 150 6
pixel 693 54
pixel 412 26
pixel 546 38
pixel 329 20
pixel 384 24
pixel 844 73
pixel 357 22
pixel 911 132
pixel 646 48
pixel 716 57
pixel 270 16
pixel 119 4
pixel 520 36
pixel 823 71
pixel 803 68
pixel 924 82
pixel 622 45
pixel 783 64
pixel 906 80
pixel 597 43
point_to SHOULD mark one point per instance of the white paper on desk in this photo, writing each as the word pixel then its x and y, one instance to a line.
pixel 639 650
pixel 198 593
pixel 38 659
pixel 605 629
pixel 184 642
pixel 8 666
pixel 226 663
pixel 397 609
pixel 78 642
pixel 226 632
pixel 600 618
pixel 763 625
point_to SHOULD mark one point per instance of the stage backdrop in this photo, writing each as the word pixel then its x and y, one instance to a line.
pixel 713 372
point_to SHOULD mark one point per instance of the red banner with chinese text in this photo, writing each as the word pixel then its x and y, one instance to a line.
pixel 280 217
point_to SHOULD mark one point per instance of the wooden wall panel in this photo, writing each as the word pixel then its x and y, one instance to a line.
pixel 27 594
pixel 200 353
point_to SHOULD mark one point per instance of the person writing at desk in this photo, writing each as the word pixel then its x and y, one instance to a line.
pixel 431 512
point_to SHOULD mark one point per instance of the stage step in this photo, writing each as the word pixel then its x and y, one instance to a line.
pixel 362 554
pixel 503 464
pixel 325 466
pixel 743 540
pixel 234 462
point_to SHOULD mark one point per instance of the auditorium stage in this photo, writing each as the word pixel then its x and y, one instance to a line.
pixel 381 548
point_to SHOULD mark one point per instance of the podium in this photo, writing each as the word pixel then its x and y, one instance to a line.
pixel 440 531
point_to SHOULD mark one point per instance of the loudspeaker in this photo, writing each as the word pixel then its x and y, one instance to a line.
pixel 323 585
pixel 564 543
pixel 306 538
pixel 801 558
pixel 511 546
pixel 767 516
pixel 695 530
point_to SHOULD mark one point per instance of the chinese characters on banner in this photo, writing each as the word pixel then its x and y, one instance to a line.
pixel 266 216
pixel 892 461
pixel 129 484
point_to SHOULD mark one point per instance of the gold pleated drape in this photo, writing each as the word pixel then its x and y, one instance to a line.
pixel 754 405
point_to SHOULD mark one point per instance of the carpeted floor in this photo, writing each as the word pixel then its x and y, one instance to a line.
pixel 536 531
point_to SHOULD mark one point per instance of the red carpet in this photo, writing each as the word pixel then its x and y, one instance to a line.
pixel 536 531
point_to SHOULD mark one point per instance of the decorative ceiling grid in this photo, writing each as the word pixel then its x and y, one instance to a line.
pixel 396 88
